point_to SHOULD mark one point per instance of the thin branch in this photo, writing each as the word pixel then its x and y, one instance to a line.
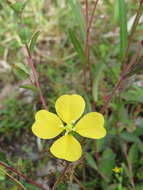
pixel 92 16
pixel 22 176
pixel 79 183
pixel 13 178
pixel 133 29
pixel 31 64
pixel 123 76
pixel 61 176
pixel 87 44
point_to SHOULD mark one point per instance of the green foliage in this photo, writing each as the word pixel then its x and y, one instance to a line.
pixel 123 27
pixel 77 46
pixel 34 40
pixel 76 10
pixel 107 163
pixel 58 54
pixel 11 125
pixel 25 34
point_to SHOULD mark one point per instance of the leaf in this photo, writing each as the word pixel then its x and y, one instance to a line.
pixel 129 137
pixel 133 154
pixel 135 94
pixel 2 174
pixel 139 186
pixel 91 162
pixel 123 27
pixel 34 40
pixel 23 67
pixel 77 45
pixel 30 87
pixel 24 34
pixel 18 6
pixel 107 162
pixel 98 75
pixel 20 73
pixel 75 6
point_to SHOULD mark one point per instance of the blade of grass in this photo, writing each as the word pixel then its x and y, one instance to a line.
pixel 96 80
pixel 77 45
pixel 123 27
pixel 34 40
pixel 76 9
pixel 13 178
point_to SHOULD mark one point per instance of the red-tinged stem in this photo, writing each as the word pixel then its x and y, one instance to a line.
pixel 31 64
pixel 84 72
pixel 92 15
pixel 84 66
pixel 87 44
pixel 119 83
pixel 87 53
pixel 136 20
pixel 22 176
pixel 86 12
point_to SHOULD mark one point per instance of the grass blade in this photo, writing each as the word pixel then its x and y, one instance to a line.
pixel 77 45
pixel 75 6
pixel 123 27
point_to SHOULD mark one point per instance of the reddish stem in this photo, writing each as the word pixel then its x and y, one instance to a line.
pixel 87 44
pixel 123 76
pixel 22 176
pixel 136 20
pixel 92 15
pixel 30 62
pixel 87 52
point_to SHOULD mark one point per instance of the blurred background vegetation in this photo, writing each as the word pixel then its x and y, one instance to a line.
pixel 58 57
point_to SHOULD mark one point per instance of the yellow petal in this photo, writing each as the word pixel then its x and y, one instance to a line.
pixel 67 148
pixel 70 107
pixel 91 126
pixel 47 125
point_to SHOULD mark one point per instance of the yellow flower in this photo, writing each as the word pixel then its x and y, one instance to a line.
pixel 69 109
pixel 116 170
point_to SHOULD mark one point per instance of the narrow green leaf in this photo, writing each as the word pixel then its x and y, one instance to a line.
pixel 2 174
pixel 24 34
pixel 107 162
pixel 91 161
pixel 77 45
pixel 23 67
pixel 129 137
pixel 98 75
pixel 21 71
pixel 76 9
pixel 30 87
pixel 34 40
pixel 133 154
pixel 123 27
pixel 18 6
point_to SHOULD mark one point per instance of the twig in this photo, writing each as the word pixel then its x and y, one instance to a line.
pixel 23 176
pixel 61 176
pixel 87 46
pixel 119 83
pixel 31 64
pixel 14 179
pixel 138 15
pixel 92 15
pixel 78 182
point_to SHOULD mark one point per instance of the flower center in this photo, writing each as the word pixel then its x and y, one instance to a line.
pixel 69 128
